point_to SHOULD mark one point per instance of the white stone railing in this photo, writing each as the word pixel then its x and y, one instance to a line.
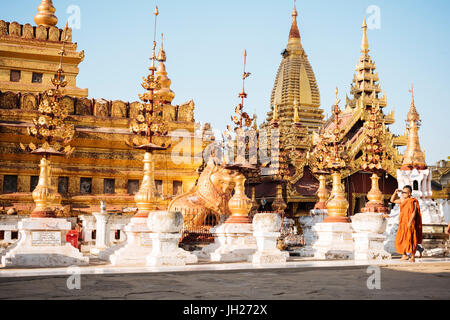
pixel 117 223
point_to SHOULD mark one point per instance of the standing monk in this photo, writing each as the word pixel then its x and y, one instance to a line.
pixel 409 233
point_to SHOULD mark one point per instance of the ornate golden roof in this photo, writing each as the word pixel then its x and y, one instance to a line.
pixel 414 156
pixel 366 90
pixel 365 84
pixel 295 81
pixel 46 14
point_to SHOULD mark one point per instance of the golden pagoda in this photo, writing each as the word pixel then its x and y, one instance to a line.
pixel 295 81
pixel 295 112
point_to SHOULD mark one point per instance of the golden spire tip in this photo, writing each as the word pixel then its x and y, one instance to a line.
pixel 365 40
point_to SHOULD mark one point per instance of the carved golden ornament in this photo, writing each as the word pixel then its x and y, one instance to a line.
pixel 145 197
pixel 240 205
pixel 278 204
pixel 337 205
pixel 376 203
pixel 43 194
pixel 46 14
pixel 322 193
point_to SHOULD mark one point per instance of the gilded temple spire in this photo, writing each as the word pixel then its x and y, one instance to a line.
pixel 295 80
pixel 164 94
pixel 46 14
pixel 294 33
pixel 414 156
pixel 365 40
pixel 365 87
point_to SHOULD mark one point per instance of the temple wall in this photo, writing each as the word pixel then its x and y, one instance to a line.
pixel 101 152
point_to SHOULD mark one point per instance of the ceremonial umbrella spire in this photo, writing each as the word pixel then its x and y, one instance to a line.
pixel 148 124
pixel 46 14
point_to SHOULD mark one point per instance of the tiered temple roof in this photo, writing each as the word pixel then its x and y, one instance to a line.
pixel 366 91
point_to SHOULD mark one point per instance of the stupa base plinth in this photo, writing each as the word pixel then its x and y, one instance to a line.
pixel 42 244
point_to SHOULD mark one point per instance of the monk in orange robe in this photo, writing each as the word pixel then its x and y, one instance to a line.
pixel 409 233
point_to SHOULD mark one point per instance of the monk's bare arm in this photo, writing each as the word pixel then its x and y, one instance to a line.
pixel 394 198
pixel 413 216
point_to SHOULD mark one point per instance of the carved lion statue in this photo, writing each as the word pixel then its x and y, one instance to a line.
pixel 208 199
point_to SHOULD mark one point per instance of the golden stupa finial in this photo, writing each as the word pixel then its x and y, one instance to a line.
pixel 365 40
pixel 296 115
pixel 413 115
pixel 162 53
pixel 413 156
pixel 294 33
pixel 46 14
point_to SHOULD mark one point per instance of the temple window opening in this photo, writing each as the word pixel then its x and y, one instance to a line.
pixel 133 186
pixel 14 76
pixel 63 185
pixel 34 180
pixel 36 78
pixel 159 187
pixel 108 186
pixel 10 184
pixel 86 185
pixel 177 188
pixel 14 235
pixel 415 185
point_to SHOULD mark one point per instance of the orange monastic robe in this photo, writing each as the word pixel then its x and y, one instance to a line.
pixel 407 240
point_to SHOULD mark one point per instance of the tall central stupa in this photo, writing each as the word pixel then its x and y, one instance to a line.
pixel 295 84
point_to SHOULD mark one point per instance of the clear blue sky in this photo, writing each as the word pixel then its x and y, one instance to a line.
pixel 205 41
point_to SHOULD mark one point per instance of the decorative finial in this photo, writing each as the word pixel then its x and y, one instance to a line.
pixel 245 75
pixel 162 53
pixel 46 14
pixel 58 80
pixel 152 67
pixel 413 155
pixel 412 93
pixel 413 115
pixel 337 101
pixel 294 33
pixel 365 40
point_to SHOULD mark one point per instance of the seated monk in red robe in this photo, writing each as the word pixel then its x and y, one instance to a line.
pixel 409 233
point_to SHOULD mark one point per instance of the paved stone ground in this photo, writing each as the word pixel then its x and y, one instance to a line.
pixel 418 281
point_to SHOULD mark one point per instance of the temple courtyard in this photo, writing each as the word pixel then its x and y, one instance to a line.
pixel 300 278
